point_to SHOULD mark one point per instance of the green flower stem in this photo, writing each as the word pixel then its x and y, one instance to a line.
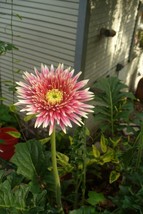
pixel 55 173
pixel 84 166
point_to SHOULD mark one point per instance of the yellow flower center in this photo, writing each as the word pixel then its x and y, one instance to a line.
pixel 54 96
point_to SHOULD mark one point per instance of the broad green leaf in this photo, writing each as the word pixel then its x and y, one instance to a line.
pixel 40 198
pixel 20 195
pixel 15 134
pixel 114 175
pixel 13 199
pixel 95 198
pixel 34 163
pixel 96 152
pixel 30 160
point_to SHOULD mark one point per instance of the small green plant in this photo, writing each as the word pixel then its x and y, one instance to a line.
pixel 5 47
pixel 78 160
pixel 107 152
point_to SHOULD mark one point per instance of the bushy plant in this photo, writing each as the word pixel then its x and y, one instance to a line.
pixel 114 105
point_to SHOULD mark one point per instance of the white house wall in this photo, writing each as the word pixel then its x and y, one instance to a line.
pixel 45 34
pixel 104 53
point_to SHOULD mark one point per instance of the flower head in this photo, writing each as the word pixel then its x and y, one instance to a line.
pixel 55 96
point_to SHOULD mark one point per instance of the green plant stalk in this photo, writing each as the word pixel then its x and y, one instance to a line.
pixel 78 183
pixel 55 172
pixel 84 167
pixel 112 122
pixel 80 179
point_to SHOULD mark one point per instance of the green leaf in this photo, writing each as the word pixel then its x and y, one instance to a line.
pixel 18 71
pixel 15 134
pixel 63 161
pixel 103 143
pixel 3 98
pixel 95 198
pixel 115 142
pixel 12 108
pixel 5 46
pixel 40 198
pixel 87 132
pixel 108 156
pixel 62 158
pixel 84 210
pixel 114 175
pixel 13 199
pixel 2 173
pixel 31 162
pixel 44 140
pixel 19 16
pixel 96 152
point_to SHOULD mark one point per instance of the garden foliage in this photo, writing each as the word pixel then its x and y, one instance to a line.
pixel 99 172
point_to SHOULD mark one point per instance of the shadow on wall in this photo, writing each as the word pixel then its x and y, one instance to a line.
pixel 103 52
pixel 123 22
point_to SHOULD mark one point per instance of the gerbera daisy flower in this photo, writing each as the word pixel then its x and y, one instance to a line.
pixel 55 97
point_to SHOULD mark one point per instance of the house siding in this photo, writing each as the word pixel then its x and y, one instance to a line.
pixel 58 31
pixel 45 34
pixel 104 53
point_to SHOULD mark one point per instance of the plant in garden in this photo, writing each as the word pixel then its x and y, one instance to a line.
pixel 54 97
pixel 130 194
pixel 95 177
pixel 107 152
pixel 78 158
pixel 114 105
